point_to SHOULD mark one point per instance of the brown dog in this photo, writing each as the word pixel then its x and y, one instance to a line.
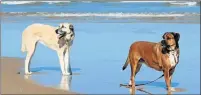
pixel 161 56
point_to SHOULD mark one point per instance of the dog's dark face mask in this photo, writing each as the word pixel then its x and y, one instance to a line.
pixel 167 40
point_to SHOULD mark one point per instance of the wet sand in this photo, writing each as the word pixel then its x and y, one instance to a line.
pixel 13 83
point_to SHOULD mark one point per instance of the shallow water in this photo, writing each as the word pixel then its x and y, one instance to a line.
pixel 99 52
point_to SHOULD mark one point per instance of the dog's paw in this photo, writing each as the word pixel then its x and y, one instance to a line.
pixel 66 74
pixel 172 89
pixel 129 86
pixel 28 73
pixel 27 76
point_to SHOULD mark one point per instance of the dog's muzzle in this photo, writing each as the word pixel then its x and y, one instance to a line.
pixel 169 47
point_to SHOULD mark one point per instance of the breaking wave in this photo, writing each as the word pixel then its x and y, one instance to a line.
pixel 116 15
pixel 183 3
pixel 31 2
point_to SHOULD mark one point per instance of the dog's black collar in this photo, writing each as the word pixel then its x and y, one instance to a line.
pixel 165 47
pixel 165 50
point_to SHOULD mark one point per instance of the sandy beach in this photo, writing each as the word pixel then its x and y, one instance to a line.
pixel 14 83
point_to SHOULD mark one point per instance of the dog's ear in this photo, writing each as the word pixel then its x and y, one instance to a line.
pixel 71 27
pixel 164 35
pixel 57 30
pixel 176 36
pixel 163 43
pixel 164 49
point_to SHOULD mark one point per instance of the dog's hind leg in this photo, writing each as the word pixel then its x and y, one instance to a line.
pixel 139 65
pixel 133 64
pixel 30 51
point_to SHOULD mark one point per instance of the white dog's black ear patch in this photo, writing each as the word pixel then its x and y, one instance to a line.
pixel 71 27
pixel 57 31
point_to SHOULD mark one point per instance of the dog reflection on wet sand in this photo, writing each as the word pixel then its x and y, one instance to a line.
pixel 133 90
pixel 65 82
pixel 141 89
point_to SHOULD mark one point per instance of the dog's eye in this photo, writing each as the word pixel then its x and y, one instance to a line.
pixel 71 27
pixel 169 38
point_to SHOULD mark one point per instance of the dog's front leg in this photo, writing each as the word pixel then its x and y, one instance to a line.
pixel 27 62
pixel 168 80
pixel 61 61
pixel 67 61
pixel 171 73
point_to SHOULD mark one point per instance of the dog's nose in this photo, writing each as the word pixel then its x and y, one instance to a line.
pixel 168 46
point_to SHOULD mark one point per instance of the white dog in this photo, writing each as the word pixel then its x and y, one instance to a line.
pixel 59 39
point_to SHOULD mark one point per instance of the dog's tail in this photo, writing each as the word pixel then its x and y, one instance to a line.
pixel 126 64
